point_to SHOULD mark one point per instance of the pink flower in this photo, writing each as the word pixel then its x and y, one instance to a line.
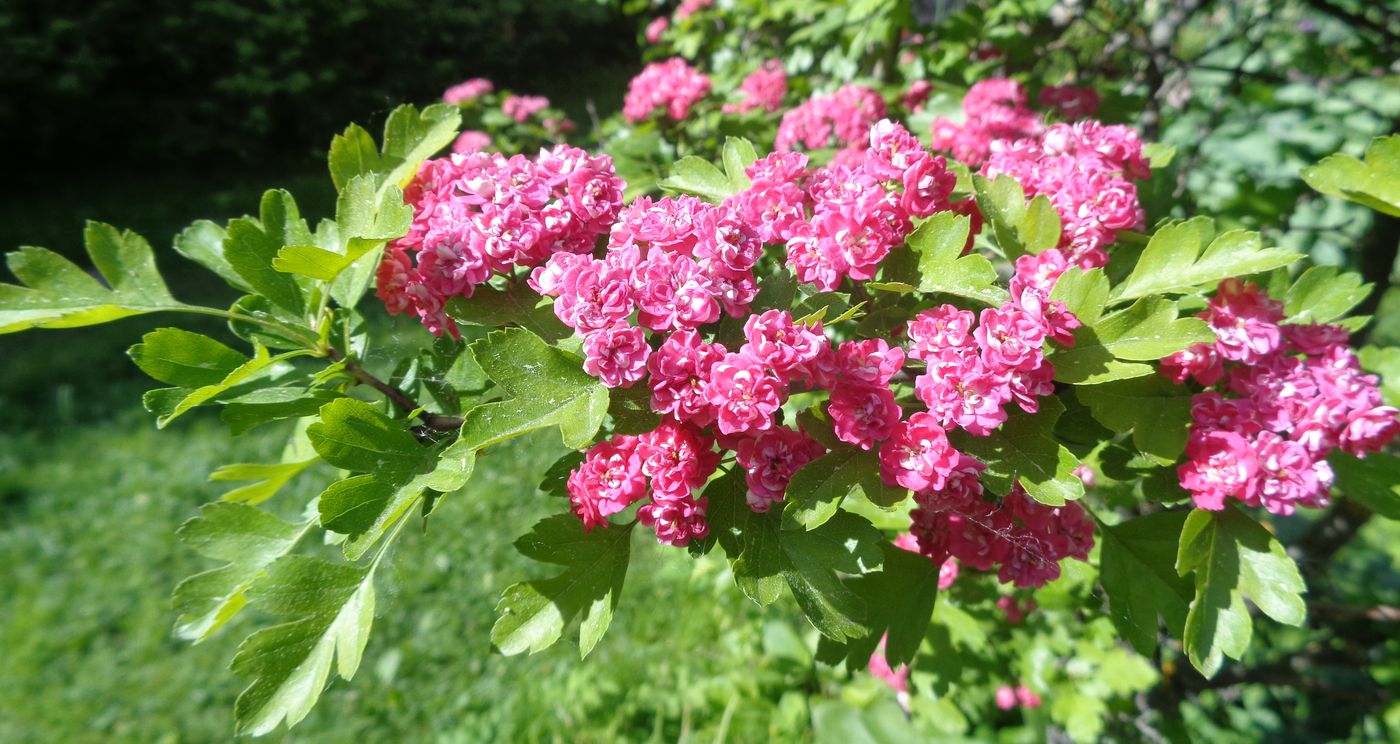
pixel 676 521
pixel 672 86
pixel 744 394
pixel 871 361
pixel 616 355
pixel 673 293
pixel 879 666
pixel 1015 611
pixel 960 391
pixel 471 141
pixel 689 8
pixel 463 92
pixel 656 28
pixel 1071 102
pixel 1288 476
pixel 915 95
pixel 677 458
pixel 1026 698
pixel 1006 697
pixel 939 328
pixel 917 455
pixel 521 108
pixel 863 414
pixel 1010 339
pixel 769 461
pixel 1220 464
pixel 763 88
pixel 1370 430
pixel 847 114
pixel 1200 363
pixel 780 344
pixel 680 371
pixel 1245 322
pixel 608 481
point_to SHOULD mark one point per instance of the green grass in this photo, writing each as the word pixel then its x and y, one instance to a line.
pixel 87 540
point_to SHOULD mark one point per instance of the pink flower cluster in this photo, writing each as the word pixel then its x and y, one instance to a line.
pixel 689 8
pixel 859 211
pixel 1021 538
pixel 664 466
pixel 480 214
pixel 1086 170
pixel 1069 101
pixel 1290 395
pixel 471 141
pixel 763 89
pixel 521 108
pixel 879 667
pixel 994 110
pixel 1008 697
pixel 471 89
pixel 845 115
pixel 656 28
pixel 672 86
pixel 970 372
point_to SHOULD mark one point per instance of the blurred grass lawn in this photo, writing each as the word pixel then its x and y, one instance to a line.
pixel 86 652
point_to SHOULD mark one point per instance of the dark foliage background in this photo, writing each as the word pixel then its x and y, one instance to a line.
pixel 163 83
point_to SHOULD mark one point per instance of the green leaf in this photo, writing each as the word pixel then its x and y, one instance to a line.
pixel 1323 294
pixel 178 357
pixel 412 136
pixel 1374 183
pixel 247 539
pixel 365 221
pixel 546 387
pixel 695 175
pixel 290 663
pixel 1003 203
pixel 939 243
pixel 252 244
pixel 171 354
pixel 269 478
pixel 1182 257
pixel 1233 557
pixel 1084 293
pixel 517 305
pixel 533 614
pixel 353 435
pixel 203 243
pixel 884 722
pixel 747 537
pixel 1156 411
pixel 1383 361
pixel 737 155
pixel 1158 155
pixel 845 543
pixel 1024 450
pixel 900 600
pixel 1137 570
pixel 257 407
pixel 817 489
pixel 1114 347
pixel 1373 482
pixel 353 153
pixel 55 293
pixel 1040 226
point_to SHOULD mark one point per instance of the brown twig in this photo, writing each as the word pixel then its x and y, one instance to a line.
pixel 434 421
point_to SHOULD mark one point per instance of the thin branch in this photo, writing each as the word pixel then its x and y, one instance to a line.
pixel 399 398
